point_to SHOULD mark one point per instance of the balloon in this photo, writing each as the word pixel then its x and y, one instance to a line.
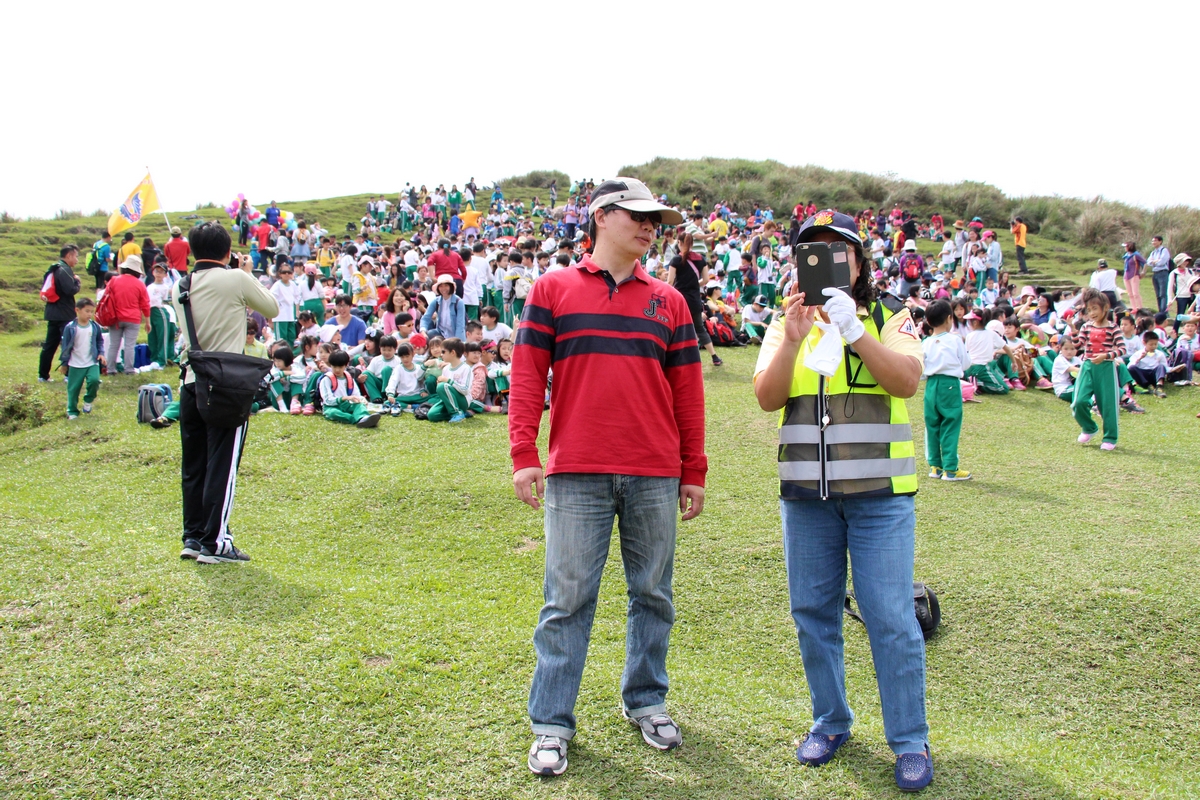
pixel 291 225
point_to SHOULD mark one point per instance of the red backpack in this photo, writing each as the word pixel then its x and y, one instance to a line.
pixel 910 267
pixel 106 310
pixel 49 291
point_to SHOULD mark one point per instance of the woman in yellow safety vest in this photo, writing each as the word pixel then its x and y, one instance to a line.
pixel 847 476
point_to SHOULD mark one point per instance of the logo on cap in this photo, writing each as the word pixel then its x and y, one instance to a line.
pixel 824 218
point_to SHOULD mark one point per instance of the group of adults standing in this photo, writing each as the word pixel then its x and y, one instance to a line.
pixel 847 477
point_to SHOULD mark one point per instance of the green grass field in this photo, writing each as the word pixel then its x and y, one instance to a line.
pixel 379 643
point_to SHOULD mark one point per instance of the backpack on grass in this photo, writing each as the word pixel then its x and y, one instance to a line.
pixel 925 606
pixel 152 399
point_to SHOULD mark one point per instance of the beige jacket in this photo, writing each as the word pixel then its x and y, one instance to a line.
pixel 220 298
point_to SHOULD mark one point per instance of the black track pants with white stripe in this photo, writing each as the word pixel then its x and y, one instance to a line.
pixel 210 463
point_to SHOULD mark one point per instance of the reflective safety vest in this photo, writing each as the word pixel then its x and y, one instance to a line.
pixel 845 436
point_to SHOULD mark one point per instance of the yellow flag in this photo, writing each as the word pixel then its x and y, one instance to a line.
pixel 142 200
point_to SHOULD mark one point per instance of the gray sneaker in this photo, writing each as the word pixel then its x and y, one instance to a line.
pixel 548 756
pixel 659 730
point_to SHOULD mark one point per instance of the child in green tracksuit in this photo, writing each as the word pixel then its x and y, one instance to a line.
pixel 379 370
pixel 1099 343
pixel 81 359
pixel 341 399
pixel 406 387
pixel 162 331
pixel 946 361
pixel 453 386
pixel 286 380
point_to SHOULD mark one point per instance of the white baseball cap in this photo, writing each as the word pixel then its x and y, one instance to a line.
pixel 631 195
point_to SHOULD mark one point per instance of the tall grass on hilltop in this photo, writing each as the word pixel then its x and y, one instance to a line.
pixel 64 215
pixel 1096 223
pixel 540 179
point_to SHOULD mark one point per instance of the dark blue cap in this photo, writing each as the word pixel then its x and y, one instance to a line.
pixel 841 224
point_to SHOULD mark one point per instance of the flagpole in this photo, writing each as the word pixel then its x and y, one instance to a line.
pixel 160 208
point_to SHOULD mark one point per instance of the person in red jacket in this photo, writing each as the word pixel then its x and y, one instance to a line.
pixel 447 262
pixel 177 251
pixel 131 303
pixel 609 331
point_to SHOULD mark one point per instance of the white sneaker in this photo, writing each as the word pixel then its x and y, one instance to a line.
pixel 87 408
pixel 658 730
pixel 548 756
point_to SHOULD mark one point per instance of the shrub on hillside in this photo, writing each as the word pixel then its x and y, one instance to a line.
pixel 21 407
pixel 540 179
pixel 1103 224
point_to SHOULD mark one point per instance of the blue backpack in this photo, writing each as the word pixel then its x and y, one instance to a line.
pixel 152 400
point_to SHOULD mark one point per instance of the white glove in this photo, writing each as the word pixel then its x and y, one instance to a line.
pixel 842 312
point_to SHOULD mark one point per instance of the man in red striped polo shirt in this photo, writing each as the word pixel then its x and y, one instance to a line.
pixel 626 444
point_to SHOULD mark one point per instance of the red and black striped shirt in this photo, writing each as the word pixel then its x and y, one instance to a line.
pixel 628 395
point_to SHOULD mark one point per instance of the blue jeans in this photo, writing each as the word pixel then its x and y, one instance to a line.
pixel 879 534
pixel 580 509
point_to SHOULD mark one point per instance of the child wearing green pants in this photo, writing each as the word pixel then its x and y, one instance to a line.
pixel 379 370
pixel 453 386
pixel 80 358
pixel 1099 343
pixel 406 386
pixel 340 397
pixel 162 331
pixel 946 361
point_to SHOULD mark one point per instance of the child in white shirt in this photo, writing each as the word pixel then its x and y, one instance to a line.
pixel 407 384
pixel 946 361
pixel 1066 369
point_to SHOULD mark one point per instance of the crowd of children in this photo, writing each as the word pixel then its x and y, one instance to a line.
pixel 425 324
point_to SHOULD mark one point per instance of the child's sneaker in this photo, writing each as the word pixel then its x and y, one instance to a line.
pixel 458 417
pixel 1108 446
pixel 87 408
pixel 956 475
pixel 308 410
pixel 158 423
pixel 296 408
pixel 935 472
pixel 72 416
pixel 1084 438
pixel 1132 407
pixel 1017 386
pixel 369 421
pixel 1158 392
pixel 396 409
pixel 1044 384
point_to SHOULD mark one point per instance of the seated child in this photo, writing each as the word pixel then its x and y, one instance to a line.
pixel 286 381
pixel 81 357
pixel 756 318
pixel 1066 370
pixel 1187 348
pixel 1149 366
pixel 406 385
pixel 340 397
pixel 479 378
pixel 499 371
pixel 378 372
pixel 983 346
pixel 453 385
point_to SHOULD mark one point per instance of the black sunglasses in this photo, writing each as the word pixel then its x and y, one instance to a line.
pixel 639 216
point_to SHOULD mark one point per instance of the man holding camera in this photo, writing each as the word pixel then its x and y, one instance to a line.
pixel 219 296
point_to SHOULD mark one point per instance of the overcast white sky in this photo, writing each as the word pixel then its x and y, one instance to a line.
pixel 321 99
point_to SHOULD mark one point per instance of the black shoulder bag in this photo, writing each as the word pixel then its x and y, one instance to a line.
pixel 225 382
